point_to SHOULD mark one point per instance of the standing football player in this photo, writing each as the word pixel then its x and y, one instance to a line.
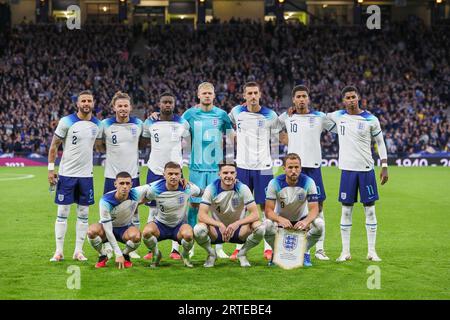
pixel 356 129
pixel 165 135
pixel 208 125
pixel 304 128
pixel 121 136
pixel 255 125
pixel 77 132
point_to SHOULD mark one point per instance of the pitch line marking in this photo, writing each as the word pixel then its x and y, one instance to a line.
pixel 20 176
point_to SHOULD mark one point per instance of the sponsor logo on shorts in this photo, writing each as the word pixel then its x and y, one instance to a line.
pixel 60 197
pixel 290 242
pixel 343 195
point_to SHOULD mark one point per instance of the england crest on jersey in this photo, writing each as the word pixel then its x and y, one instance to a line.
pixel 180 199
pixel 235 202
pixel 361 125
pixel 134 132
pixel 215 122
pixel 60 197
pixel 312 121
pixel 94 132
pixel 301 196
pixel 260 123
pixel 343 195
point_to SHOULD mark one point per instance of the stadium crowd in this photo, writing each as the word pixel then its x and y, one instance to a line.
pixel 402 72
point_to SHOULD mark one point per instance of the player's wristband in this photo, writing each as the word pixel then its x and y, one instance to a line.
pixel 51 166
pixel 384 165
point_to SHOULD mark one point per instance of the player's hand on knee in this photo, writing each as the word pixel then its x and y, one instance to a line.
pixel 222 230
pixel 284 223
pixel 230 230
pixel 120 262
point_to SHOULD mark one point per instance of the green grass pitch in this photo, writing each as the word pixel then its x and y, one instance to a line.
pixel 413 241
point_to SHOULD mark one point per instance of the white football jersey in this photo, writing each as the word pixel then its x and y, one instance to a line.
pixel 122 146
pixel 292 202
pixel 254 130
pixel 227 206
pixel 78 145
pixel 171 205
pixel 304 131
pixel 355 134
pixel 166 137
pixel 121 213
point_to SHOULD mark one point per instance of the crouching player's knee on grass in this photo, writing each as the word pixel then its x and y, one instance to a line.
pixel 228 200
pixel 169 223
pixel 117 209
pixel 292 203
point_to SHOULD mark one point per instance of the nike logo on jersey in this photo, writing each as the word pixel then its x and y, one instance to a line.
pixel 76 131
pixel 114 131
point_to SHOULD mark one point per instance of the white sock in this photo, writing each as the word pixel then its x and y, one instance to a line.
pixel 61 226
pixel 267 246
pixel 203 239
pixel 187 245
pixel 131 246
pixel 252 240
pixel 314 233
pixel 175 246
pixel 151 214
pixel 219 247
pixel 82 227
pixel 97 244
pixel 346 228
pixel 136 220
pixel 319 244
pixel 270 232
pixel 151 243
pixel 371 227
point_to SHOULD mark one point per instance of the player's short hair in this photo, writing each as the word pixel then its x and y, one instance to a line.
pixel 119 95
pixel 349 89
pixel 85 92
pixel 291 156
pixel 172 165
pixel 224 164
pixel 167 94
pixel 299 88
pixel 205 85
pixel 251 84
pixel 123 174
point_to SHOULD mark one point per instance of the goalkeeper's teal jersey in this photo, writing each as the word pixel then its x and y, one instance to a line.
pixel 207 130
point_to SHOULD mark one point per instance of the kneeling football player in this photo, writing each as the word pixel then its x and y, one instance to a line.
pixel 292 202
pixel 170 221
pixel 117 209
pixel 228 200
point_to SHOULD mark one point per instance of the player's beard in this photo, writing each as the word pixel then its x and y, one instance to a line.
pixel 85 110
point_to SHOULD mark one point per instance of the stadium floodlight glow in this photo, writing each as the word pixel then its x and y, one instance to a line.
pixel 280 1
pixel 202 1
pixel 324 6
pixel 438 1
pixel 105 9
pixel 360 1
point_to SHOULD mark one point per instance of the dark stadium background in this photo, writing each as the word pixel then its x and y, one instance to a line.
pixel 147 47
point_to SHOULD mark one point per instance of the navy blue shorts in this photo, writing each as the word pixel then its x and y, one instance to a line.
pixel 316 175
pixel 257 181
pixel 118 233
pixel 109 184
pixel 166 232
pixel 152 177
pixel 352 180
pixel 233 239
pixel 72 189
